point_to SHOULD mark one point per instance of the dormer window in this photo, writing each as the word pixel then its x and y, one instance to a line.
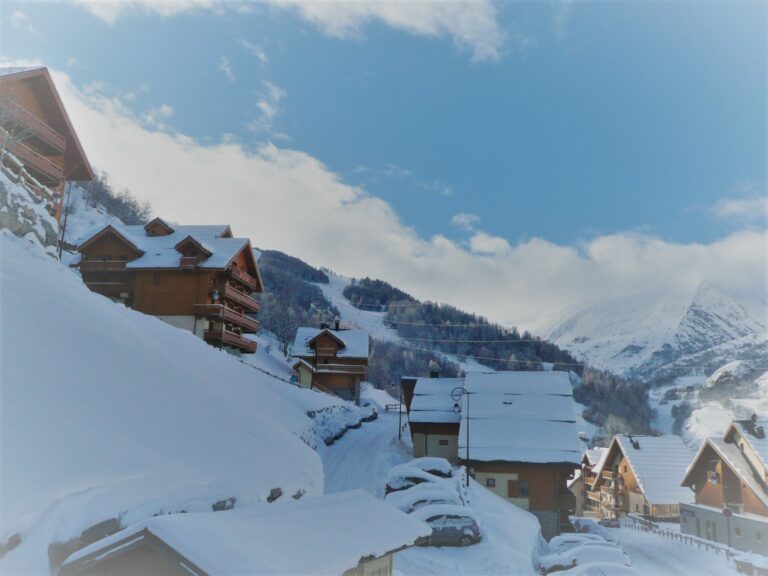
pixel 158 227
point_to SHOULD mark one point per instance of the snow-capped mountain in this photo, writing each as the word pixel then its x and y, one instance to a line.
pixel 650 335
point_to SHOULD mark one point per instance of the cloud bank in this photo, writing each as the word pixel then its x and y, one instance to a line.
pixel 288 200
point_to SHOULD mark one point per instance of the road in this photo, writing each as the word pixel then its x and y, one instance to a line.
pixel 362 458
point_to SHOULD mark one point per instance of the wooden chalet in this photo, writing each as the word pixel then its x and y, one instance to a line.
pixel 729 475
pixel 35 130
pixel 198 278
pixel 331 358
pixel 584 478
pixel 349 534
pixel 521 431
pixel 640 475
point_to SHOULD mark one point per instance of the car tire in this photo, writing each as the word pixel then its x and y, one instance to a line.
pixel 467 541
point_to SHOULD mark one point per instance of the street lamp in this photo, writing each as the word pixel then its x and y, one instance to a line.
pixel 456 394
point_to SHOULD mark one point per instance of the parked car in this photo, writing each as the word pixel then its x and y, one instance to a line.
pixel 437 466
pixel 600 569
pixel 424 494
pixel 565 542
pixel 607 553
pixel 404 476
pixel 610 523
pixel 591 526
pixel 451 525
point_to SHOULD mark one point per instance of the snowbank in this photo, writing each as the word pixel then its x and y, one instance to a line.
pixel 109 414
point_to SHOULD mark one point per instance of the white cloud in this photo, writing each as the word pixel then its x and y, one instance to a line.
pixel 465 221
pixel 471 24
pixel 288 200
pixel 268 104
pixel 484 243
pixel 752 208
pixel 20 21
pixel 254 50
pixel 226 67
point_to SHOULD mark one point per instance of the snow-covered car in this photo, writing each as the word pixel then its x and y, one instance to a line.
pixel 451 525
pixel 606 553
pixel 404 476
pixel 424 494
pixel 592 526
pixel 565 542
pixel 600 569
pixel 434 465
pixel 610 523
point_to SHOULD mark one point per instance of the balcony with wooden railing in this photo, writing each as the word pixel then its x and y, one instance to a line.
pixel 36 161
pixel 244 278
pixel 37 127
pixel 221 312
pixel 230 339
pixel 231 293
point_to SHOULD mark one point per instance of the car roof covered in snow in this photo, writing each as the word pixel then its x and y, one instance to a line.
pixel 355 342
pixel 658 463
pixel 442 510
pixel 424 491
pixel 520 417
pixel 432 401
pixel 343 528
pixel 160 251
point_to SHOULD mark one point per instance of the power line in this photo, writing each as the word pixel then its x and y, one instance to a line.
pixel 523 340
pixel 490 326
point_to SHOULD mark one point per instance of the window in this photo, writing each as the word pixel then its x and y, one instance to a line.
pixel 156 279
pixel 758 536
pixel 523 488
pixel 625 468
pixel 490 482
pixel 443 442
pixel 738 531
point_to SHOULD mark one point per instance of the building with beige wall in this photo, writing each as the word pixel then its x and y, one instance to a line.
pixel 285 537
pixel 433 416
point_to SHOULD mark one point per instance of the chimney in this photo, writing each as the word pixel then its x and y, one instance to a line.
pixel 324 325
pixel 336 324
pixel 760 432
pixel 434 369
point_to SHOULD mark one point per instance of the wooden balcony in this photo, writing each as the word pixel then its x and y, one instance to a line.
pixel 103 265
pixel 342 368
pixel 610 474
pixel 244 278
pixel 39 128
pixel 230 339
pixel 233 294
pixel 112 289
pixel 221 312
pixel 35 161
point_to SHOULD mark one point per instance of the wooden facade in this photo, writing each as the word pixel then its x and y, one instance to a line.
pixel 325 362
pixel 730 474
pixel 215 302
pixel 35 128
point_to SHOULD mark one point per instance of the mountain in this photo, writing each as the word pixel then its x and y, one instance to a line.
pixel 657 337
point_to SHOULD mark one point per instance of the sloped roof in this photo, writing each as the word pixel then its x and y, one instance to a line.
pixel 595 455
pixel 76 164
pixel 341 530
pixel 735 460
pixel 659 465
pixel 748 429
pixel 520 417
pixel 161 252
pixel 432 402
pixel 355 342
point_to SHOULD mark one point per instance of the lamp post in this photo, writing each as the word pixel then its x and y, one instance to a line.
pixel 456 394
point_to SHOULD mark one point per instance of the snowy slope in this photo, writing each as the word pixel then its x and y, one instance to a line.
pixel 641 334
pixel 110 414
pixel 82 218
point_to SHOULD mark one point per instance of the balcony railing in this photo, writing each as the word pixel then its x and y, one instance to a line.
pixel 36 161
pixel 218 311
pixel 342 368
pixel 38 127
pixel 102 265
pixel 244 278
pixel 230 339
pixel 231 293
pixel 610 474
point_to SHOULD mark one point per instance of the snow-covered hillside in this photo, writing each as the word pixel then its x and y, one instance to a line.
pixel 111 415
pixel 649 334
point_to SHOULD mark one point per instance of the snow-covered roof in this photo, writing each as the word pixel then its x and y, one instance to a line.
pixel 432 401
pixel 659 464
pixel 161 252
pixel 595 455
pixel 355 342
pixel 520 417
pixel 748 429
pixel 342 528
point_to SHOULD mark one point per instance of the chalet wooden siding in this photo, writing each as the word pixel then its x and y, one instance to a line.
pixel 197 278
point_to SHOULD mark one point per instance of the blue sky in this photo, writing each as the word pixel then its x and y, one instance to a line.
pixel 561 121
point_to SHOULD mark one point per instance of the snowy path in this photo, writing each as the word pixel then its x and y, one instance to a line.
pixel 654 555
pixel 362 458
